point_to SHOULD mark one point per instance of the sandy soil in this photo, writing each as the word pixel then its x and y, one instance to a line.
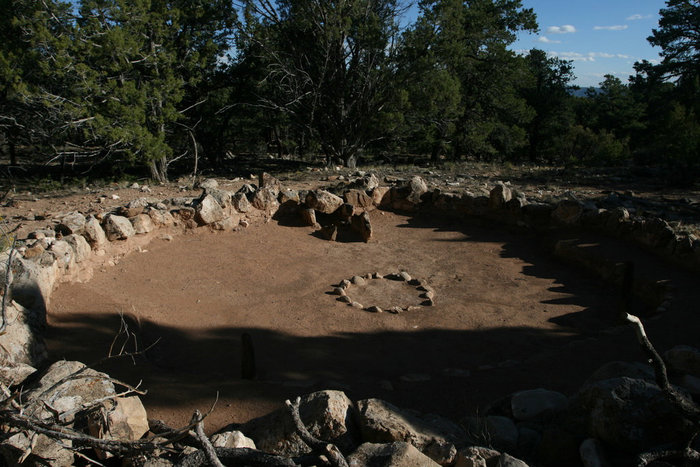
pixel 507 317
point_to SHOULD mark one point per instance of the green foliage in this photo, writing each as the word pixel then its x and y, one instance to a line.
pixel 583 145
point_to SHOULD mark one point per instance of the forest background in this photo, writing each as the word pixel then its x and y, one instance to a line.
pixel 157 87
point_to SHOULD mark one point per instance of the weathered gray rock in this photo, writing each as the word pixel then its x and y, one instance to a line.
pixel 397 454
pixel 328 415
pixel 593 454
pixel 121 418
pixel 683 359
pixel 288 198
pixel 499 196
pixel 117 228
pixel 232 439
pixel 12 374
pixel 33 281
pixel 80 246
pixel 160 217
pixel 568 212
pixel 475 456
pixel 323 201
pixel 64 254
pixel 536 403
pixel 67 388
pixel 142 223
pixel 22 343
pixel 135 207
pixel 362 225
pixel 265 199
pixel 381 196
pixel 265 180
pixel 495 430
pixel 94 233
pixel 631 414
pixel 71 223
pixel 222 197
pixel 208 184
pixel 208 211
pixel 616 369
pixel 359 199
pixel 367 182
pixel 382 422
pixel 241 203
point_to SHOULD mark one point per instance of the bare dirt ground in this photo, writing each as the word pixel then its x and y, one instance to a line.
pixel 507 315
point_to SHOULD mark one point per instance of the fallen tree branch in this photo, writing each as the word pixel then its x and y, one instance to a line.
pixel 197 419
pixel 335 457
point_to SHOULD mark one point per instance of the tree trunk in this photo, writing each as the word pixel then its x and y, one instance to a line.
pixel 159 169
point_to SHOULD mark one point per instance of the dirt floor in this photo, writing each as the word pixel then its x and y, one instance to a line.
pixel 507 316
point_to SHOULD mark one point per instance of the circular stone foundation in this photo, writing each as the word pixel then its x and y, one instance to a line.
pixel 506 318
pixel 394 293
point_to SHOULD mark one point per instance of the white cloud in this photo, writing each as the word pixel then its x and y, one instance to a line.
pixel 565 29
pixel 587 57
pixel 637 17
pixel 547 40
pixel 617 27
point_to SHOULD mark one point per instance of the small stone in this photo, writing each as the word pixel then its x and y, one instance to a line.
pixel 376 275
pixel 395 310
pixel 357 280
pixel 344 284
pixel 405 276
pixel 374 309
pixel 344 299
pixel 428 302
pixel 339 291
pixel 367 276
pixel 356 305
pixel 412 308
pixel 425 288
pixel 428 295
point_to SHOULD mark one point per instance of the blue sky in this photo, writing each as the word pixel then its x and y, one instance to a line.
pixel 601 37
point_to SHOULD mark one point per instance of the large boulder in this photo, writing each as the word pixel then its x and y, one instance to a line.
pixel 326 414
pixel 397 454
pixel 94 233
pixel 265 180
pixel 208 210
pixel 21 342
pixel 382 422
pixel 362 225
pixel 499 196
pixel 80 246
pixel 64 391
pixel 71 223
pixel 117 228
pixel 408 196
pixel 323 201
pixel 241 203
pixel 33 281
pixel 631 414
pixel 568 212
pixel 64 254
pixel 537 403
pixel 360 200
pixel 142 223
pixel 265 199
